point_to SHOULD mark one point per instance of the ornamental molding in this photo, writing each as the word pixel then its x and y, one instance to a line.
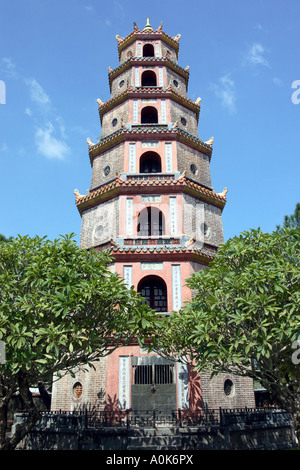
pixel 136 132
pixel 154 92
pixel 119 186
pixel 139 35
pixel 134 61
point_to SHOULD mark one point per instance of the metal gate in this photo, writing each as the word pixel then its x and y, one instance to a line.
pixel 153 384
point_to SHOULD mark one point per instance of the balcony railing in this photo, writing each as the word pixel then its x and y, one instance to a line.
pixel 150 176
pixel 95 418
pixel 151 241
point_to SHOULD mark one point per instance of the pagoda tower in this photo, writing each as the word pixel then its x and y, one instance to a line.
pixel 152 206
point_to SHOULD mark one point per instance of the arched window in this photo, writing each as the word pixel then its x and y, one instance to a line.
pixel 150 162
pixel 154 290
pixel 149 78
pixel 151 222
pixel 148 50
pixel 149 115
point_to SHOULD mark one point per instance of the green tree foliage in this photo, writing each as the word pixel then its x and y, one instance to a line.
pixel 293 221
pixel 244 317
pixel 60 307
pixel 4 239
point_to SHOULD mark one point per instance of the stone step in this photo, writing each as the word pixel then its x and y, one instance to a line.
pixel 157 442
pixel 158 447
pixel 158 431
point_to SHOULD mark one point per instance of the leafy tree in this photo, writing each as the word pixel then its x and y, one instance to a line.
pixel 293 221
pixel 4 239
pixel 60 307
pixel 244 317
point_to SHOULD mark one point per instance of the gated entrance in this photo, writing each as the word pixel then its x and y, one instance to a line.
pixel 153 384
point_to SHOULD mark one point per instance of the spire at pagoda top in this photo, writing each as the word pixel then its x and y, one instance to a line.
pixel 138 33
pixel 148 27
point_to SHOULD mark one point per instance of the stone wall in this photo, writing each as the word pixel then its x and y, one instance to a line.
pixel 71 433
pixel 100 223
pixel 186 157
pixel 92 384
pixel 202 220
pixel 226 391
pixel 112 158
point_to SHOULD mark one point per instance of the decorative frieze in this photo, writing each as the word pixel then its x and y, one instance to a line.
pixel 132 158
pixel 150 144
pixel 168 156
pixel 176 287
pixel 173 215
pixel 124 375
pixel 129 216
pixel 127 275
pixel 151 198
pixel 155 266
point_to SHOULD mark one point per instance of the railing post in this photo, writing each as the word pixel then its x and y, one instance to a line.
pixel 127 419
pixel 180 418
pixel 220 410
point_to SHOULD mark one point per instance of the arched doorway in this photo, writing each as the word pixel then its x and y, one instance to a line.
pixel 149 115
pixel 149 78
pixel 148 50
pixel 151 222
pixel 150 162
pixel 154 290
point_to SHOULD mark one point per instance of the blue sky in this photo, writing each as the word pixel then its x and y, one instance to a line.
pixel 54 58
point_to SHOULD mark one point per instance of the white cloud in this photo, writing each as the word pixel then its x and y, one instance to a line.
pixel 8 66
pixel 225 91
pixel 255 55
pixel 49 136
pixel 50 146
pixel 37 93
pixel 277 81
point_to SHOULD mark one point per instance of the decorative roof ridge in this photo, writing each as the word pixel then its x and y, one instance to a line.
pixel 133 129
pixel 102 106
pixel 167 249
pixel 119 182
pixel 123 41
pixel 207 144
pixel 142 58
pixel 169 63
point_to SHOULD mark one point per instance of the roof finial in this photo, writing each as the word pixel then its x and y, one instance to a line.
pixel 148 26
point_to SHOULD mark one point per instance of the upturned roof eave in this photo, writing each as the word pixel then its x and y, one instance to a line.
pixel 140 34
pixel 140 92
pixel 136 132
pixel 156 60
pixel 118 187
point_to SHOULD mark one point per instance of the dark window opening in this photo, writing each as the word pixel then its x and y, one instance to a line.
pixel 142 375
pixel 228 387
pixel 148 50
pixel 150 162
pixel 153 374
pixel 154 290
pixel 149 78
pixel 150 222
pixel 149 115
